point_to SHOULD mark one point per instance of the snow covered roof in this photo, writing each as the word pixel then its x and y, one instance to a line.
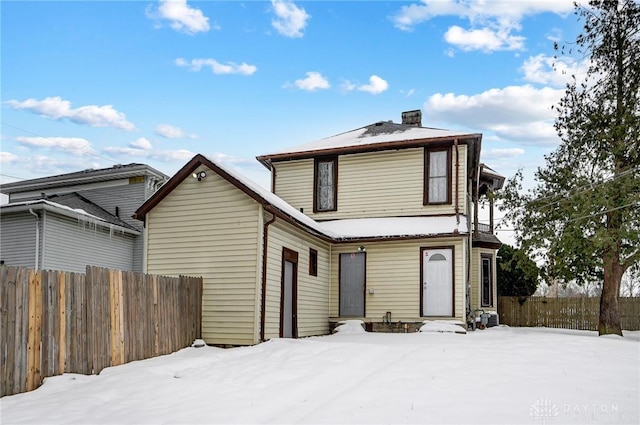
pixel 380 135
pixel 76 207
pixel 335 230
pixel 396 227
pixel 275 200
pixel 489 174
pixel 360 228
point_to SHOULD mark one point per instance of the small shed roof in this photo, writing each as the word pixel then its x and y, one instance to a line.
pixel 74 206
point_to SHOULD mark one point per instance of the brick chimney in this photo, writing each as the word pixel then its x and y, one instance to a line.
pixel 412 118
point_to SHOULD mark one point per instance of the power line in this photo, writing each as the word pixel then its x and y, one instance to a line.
pixel 90 153
pixel 580 189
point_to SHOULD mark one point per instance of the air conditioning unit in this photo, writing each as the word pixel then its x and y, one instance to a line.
pixel 492 320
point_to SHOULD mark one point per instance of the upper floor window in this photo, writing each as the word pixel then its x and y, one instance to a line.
pixel 437 177
pixel 325 184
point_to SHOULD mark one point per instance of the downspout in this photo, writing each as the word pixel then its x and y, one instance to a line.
pixel 265 240
pixel 37 267
pixel 469 254
pixel 455 143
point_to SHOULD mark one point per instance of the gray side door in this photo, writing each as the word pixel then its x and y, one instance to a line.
pixel 352 284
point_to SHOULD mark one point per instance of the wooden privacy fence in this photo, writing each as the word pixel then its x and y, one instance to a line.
pixel 56 322
pixel 569 313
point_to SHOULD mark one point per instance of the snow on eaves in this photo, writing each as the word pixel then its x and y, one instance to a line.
pixel 77 212
pixel 390 227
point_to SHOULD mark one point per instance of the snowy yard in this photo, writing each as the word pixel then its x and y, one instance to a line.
pixel 500 375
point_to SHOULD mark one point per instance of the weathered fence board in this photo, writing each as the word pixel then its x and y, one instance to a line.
pixel 570 313
pixel 54 322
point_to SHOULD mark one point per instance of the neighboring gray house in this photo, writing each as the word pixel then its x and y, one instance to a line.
pixel 69 221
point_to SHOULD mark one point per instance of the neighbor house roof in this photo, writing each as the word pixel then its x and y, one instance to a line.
pixel 74 206
pixel 382 135
pixel 335 230
pixel 81 177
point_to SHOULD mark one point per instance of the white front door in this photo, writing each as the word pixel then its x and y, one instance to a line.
pixel 437 282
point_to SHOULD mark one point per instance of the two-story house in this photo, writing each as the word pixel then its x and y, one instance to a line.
pixel 378 224
pixel 69 221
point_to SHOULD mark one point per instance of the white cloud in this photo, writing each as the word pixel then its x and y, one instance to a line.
pixel 142 148
pixel 347 85
pixel 548 70
pixel 7 157
pixel 485 39
pixel 502 153
pixel 141 143
pixel 312 82
pixel 74 145
pixel 376 85
pixel 555 35
pixel 232 160
pixel 290 19
pixel 217 67
pixel 181 16
pixel 46 165
pixel 408 93
pixel 517 113
pixel 492 23
pixel 172 155
pixel 92 115
pixel 477 10
pixel 172 132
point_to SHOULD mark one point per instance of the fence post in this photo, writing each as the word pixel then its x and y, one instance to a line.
pixel 35 323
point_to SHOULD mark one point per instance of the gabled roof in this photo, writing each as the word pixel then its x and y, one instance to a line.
pixel 334 231
pixel 382 135
pixel 74 206
pixel 269 200
pixel 81 177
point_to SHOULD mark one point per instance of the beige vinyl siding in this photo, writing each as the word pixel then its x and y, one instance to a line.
pixel 313 291
pixel 210 228
pixel 294 183
pixel 393 272
pixel 476 258
pixel 374 184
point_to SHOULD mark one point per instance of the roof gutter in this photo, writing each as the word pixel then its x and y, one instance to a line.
pixel 37 265
pixel 455 144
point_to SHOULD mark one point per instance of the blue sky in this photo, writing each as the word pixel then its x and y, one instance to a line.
pixel 90 84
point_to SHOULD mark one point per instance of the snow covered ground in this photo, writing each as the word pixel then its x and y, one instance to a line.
pixel 500 375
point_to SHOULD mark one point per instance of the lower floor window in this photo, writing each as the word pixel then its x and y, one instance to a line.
pixel 486 278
